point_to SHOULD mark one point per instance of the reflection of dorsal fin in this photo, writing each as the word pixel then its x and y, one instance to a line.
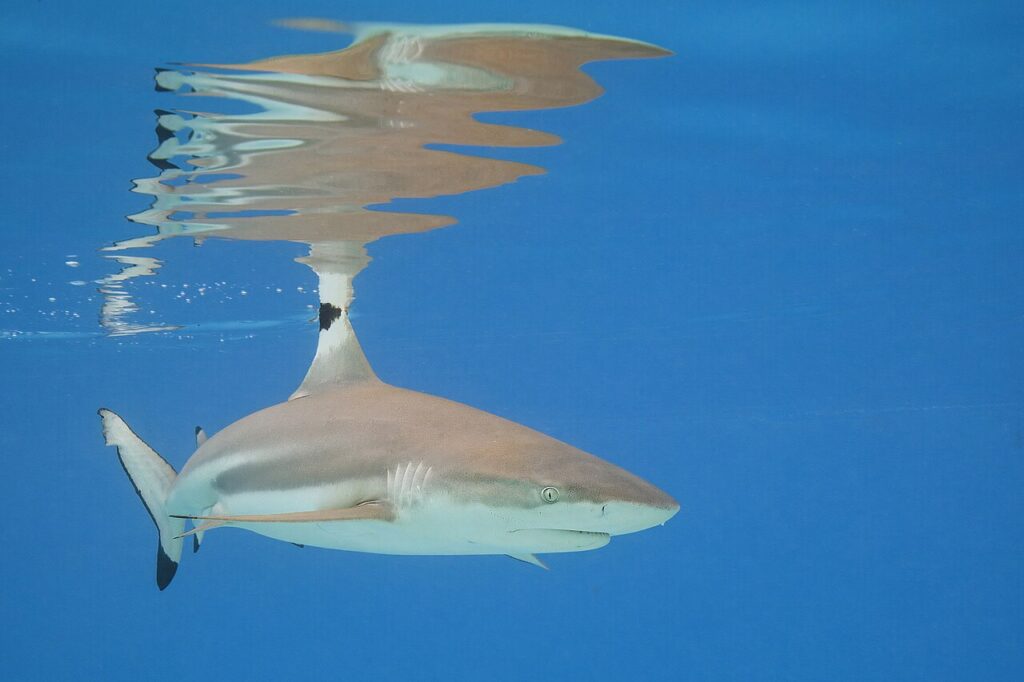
pixel 339 358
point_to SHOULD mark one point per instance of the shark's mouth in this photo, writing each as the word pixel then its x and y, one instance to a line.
pixel 557 540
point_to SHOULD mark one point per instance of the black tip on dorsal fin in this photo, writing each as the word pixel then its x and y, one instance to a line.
pixel 298 545
pixel 195 544
pixel 161 163
pixel 328 314
pixel 165 569
pixel 156 84
pixel 163 134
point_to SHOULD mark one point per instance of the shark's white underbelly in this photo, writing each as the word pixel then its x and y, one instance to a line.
pixel 422 525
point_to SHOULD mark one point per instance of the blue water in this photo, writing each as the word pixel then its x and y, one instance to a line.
pixel 778 274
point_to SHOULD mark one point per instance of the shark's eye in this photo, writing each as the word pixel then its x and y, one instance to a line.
pixel 549 494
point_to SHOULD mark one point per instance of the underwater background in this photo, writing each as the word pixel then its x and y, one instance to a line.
pixel 778 274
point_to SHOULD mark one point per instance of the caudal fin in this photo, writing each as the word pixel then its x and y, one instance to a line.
pixel 152 477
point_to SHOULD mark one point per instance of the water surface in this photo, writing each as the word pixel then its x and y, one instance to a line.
pixel 777 273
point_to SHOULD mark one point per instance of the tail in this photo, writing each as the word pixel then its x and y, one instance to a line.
pixel 152 477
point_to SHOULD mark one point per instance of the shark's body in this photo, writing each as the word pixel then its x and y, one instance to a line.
pixel 449 479
pixel 353 463
pixel 368 467
pixel 350 462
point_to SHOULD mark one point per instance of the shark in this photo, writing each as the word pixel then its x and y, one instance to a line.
pixel 351 462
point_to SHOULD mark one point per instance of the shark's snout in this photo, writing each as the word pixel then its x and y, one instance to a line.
pixel 619 518
pixel 635 505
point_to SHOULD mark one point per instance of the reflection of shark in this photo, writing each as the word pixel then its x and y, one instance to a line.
pixel 350 462
pixel 338 137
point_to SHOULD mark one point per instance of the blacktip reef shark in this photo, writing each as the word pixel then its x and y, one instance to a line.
pixel 348 461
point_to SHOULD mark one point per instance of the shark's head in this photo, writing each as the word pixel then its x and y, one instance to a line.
pixel 582 492
pixel 563 499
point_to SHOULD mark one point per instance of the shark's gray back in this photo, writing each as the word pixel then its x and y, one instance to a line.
pixel 360 430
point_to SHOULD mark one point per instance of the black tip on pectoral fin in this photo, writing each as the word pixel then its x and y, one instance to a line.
pixel 165 569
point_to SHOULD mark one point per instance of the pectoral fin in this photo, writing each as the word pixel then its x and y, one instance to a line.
pixel 379 511
pixel 529 559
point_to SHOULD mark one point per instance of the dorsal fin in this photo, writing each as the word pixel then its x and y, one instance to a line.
pixel 339 358
pixel 200 436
